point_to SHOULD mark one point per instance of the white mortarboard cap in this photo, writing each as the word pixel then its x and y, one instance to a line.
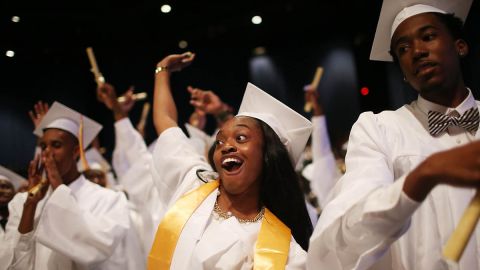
pixel 395 12
pixel 62 117
pixel 292 128
pixel 12 177
pixel 95 161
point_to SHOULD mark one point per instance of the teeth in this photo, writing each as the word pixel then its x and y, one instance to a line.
pixel 227 160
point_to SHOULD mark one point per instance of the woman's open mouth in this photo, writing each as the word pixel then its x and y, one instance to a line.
pixel 232 165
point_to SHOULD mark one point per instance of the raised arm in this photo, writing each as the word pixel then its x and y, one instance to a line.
pixel 312 97
pixel 208 102
pixel 164 109
pixel 36 115
pixel 107 95
pixel 325 172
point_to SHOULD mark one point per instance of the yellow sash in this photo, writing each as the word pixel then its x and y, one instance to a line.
pixel 273 243
pixel 271 250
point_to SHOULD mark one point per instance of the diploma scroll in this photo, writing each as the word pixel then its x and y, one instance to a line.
pixel 455 246
pixel 35 189
pixel 143 118
pixel 316 80
pixel 137 96
pixel 99 79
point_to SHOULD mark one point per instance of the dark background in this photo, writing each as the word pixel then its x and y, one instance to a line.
pixel 129 38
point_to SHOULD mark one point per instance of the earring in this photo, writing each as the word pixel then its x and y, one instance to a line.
pixel 461 53
pixel 404 79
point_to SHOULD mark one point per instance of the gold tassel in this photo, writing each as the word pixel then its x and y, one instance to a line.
pixel 80 143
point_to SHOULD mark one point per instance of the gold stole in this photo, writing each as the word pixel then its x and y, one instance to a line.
pixel 271 249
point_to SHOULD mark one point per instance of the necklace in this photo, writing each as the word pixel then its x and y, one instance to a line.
pixel 227 214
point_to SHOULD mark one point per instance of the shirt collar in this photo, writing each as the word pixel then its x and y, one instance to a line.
pixel 426 106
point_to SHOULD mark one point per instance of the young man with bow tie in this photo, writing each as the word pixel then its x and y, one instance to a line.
pixel 411 172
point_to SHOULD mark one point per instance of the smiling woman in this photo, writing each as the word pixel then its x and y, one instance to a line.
pixel 253 213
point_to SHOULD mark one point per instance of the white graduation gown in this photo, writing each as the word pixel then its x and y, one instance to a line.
pixel 80 226
pixel 325 170
pixel 137 181
pixel 371 223
pixel 126 148
pixel 205 243
pixel 2 234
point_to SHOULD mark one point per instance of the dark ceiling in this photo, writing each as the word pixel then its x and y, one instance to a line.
pixel 129 38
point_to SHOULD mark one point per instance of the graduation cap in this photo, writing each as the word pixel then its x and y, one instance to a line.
pixel 292 128
pixel 62 117
pixel 394 12
pixel 15 179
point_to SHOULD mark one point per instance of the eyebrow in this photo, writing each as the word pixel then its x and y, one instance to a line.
pixel 242 125
pixel 420 30
pixel 220 132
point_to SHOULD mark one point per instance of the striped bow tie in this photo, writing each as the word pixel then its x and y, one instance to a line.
pixel 439 122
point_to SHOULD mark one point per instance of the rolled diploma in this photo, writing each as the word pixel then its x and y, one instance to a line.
pixel 137 96
pixel 143 118
pixel 316 80
pixel 99 79
pixel 455 246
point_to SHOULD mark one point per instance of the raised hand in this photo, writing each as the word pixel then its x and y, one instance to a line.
pixel 198 119
pixel 53 175
pixel 312 97
pixel 39 111
pixel 127 105
pixel 176 62
pixel 205 100
pixel 34 178
pixel 107 95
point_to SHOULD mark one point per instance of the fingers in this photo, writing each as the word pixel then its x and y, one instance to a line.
pixel 197 104
pixel 32 116
pixel 101 95
pixel 40 108
pixel 105 88
pixel 198 112
pixel 130 91
pixel 196 93
pixel 45 107
pixel 187 57
pixel 34 171
pixel 51 168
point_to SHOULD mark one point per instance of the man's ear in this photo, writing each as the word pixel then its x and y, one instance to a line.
pixel 462 47
pixel 76 151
